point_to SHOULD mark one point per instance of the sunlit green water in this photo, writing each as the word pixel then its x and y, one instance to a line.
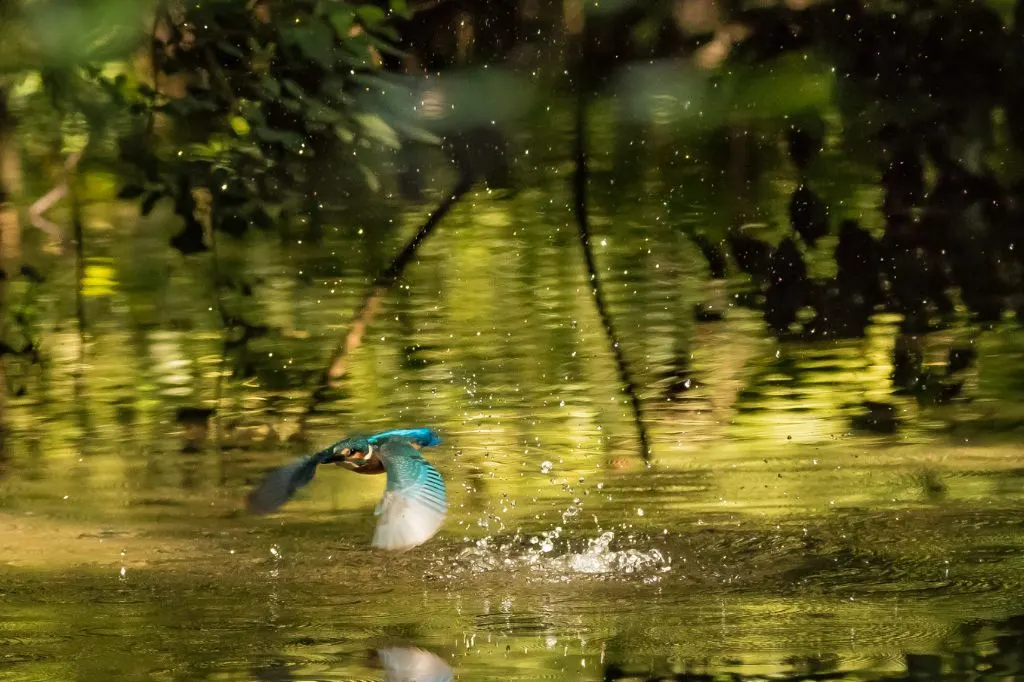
pixel 767 532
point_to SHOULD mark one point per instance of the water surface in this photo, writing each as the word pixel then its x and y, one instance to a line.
pixel 770 536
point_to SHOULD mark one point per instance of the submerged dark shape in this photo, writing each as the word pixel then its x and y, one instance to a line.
pixel 878 417
pixel 787 288
pixel 857 261
pixel 705 312
pixel 713 253
pixel 188 414
pixel 751 254
pixel 480 153
pixel 838 313
pixel 805 139
pixel 960 358
pixel 903 175
pixel 911 377
pixel 414 504
pixel 31 274
pixel 808 215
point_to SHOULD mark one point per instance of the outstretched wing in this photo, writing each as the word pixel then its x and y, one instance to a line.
pixel 281 484
pixel 422 437
pixel 415 503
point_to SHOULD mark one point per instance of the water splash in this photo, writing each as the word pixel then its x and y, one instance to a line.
pixel 550 557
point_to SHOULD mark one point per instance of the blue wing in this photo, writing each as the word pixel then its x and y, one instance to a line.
pixel 281 484
pixel 415 503
pixel 422 437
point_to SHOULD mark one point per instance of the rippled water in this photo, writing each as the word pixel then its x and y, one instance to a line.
pixel 770 537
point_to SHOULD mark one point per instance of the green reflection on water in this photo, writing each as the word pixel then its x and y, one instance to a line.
pixel 768 529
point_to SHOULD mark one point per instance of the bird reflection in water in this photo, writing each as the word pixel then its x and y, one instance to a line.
pixel 400 664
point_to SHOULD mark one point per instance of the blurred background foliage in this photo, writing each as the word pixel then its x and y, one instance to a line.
pixel 806 216
pixel 270 115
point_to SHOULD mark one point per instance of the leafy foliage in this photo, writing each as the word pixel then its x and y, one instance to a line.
pixel 951 204
pixel 19 339
pixel 252 97
pixel 900 74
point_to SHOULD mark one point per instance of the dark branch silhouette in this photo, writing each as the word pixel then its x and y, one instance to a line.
pixel 78 234
pixel 371 302
pixel 583 224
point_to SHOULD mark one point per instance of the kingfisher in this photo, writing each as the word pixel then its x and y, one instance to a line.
pixel 414 504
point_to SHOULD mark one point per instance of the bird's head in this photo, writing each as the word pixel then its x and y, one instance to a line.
pixel 356 453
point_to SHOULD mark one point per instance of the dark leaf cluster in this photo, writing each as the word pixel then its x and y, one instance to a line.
pixel 245 96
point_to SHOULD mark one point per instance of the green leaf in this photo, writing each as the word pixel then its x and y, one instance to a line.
pixel 287 138
pixel 371 16
pixel 375 128
pixel 389 32
pixel 371 178
pixel 384 46
pixel 271 85
pixel 294 88
pixel 227 48
pixel 417 134
pixel 354 58
pixel 319 112
pixel 401 8
pixel 316 41
pixel 342 20
pixel 187 106
pixel 373 81
pixel 239 125
pixel 251 111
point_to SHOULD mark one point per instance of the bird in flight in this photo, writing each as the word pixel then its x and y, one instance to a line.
pixel 414 504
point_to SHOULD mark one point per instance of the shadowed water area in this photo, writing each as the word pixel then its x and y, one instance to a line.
pixel 770 537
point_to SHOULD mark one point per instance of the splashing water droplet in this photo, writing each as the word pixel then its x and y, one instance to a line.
pixel 546 467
